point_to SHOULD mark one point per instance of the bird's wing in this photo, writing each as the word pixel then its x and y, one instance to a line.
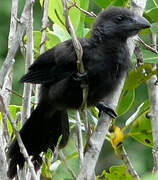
pixel 52 66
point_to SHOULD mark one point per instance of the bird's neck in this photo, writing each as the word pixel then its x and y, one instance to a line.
pixel 107 41
pixel 108 44
pixel 116 50
pixel 101 36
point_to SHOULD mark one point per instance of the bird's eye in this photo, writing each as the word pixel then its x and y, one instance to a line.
pixel 119 18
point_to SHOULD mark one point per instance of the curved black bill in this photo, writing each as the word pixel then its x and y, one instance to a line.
pixel 142 23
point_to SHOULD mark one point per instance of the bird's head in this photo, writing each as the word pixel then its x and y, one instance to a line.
pixel 118 22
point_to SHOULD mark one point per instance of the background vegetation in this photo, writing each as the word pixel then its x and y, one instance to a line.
pixel 133 126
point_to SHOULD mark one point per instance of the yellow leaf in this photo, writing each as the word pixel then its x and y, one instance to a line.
pixel 116 136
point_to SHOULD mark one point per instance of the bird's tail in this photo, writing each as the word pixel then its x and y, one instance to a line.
pixel 40 132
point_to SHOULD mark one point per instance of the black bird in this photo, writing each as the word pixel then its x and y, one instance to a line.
pixel 106 60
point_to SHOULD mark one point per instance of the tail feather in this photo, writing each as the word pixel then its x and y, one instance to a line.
pixel 40 132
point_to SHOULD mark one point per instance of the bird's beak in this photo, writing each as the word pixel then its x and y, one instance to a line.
pixel 141 23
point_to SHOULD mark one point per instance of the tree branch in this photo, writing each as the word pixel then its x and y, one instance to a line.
pixel 91 14
pixel 154 50
pixel 80 138
pixel 45 22
pixel 28 61
pixel 127 162
pixel 4 134
pixel 62 157
pixel 78 50
pixel 15 42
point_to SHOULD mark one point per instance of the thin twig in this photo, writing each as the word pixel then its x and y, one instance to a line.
pixel 91 14
pixel 80 139
pixel 147 46
pixel 9 78
pixel 13 22
pixel 76 43
pixel 3 161
pixel 19 95
pixel 62 157
pixel 79 52
pixel 21 145
pixel 15 42
pixel 126 160
pixel 80 67
pixel 45 22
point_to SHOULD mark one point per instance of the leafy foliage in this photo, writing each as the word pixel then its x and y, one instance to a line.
pixel 117 172
pixel 135 122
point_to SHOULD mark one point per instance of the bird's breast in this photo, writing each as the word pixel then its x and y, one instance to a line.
pixel 103 83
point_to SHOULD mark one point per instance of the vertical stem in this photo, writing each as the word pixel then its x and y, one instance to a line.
pixel 8 80
pixel 21 28
pixel 7 84
pixel 79 136
pixel 45 22
pixel 62 157
pixel 153 96
pixel 13 22
pixel 80 68
pixel 122 152
pixel 28 61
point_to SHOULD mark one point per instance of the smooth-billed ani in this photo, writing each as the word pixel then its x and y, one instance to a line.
pixel 106 60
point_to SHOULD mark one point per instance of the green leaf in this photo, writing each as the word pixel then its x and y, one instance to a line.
pixel 117 173
pixel 152 14
pixel 103 3
pixel 106 3
pixel 137 76
pixel 81 28
pixel 141 130
pixel 51 40
pixel 123 3
pixel 125 102
pixel 150 177
pixel 72 160
pixel 154 27
pixel 150 4
pixel 14 109
pixel 55 12
pixel 140 110
pixel 149 57
pixel 37 40
pixel 46 170
pixel 61 33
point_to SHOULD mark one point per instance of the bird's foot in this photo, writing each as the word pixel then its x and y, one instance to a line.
pixel 37 162
pixel 106 109
pixel 80 76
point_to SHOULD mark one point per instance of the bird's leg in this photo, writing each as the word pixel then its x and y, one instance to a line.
pixel 106 109
pixel 80 76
